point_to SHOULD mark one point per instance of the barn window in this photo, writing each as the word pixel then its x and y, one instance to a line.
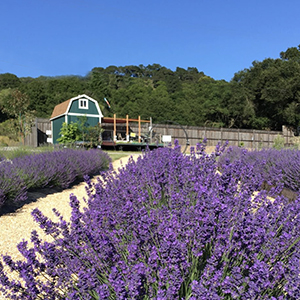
pixel 83 104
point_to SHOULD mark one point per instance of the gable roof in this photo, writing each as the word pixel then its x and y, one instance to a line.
pixel 63 108
pixel 60 109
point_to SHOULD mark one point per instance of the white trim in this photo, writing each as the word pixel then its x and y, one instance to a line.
pixel 88 115
pixel 83 103
pixel 87 97
pixel 98 108
pixel 100 115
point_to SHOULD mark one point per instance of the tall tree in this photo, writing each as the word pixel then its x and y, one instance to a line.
pixel 8 80
pixel 16 104
pixel 274 86
pixel 292 53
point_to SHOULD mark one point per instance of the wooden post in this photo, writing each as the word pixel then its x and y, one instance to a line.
pixel 139 129
pixel 34 131
pixel 221 135
pixel 150 129
pixel 127 129
pixel 115 128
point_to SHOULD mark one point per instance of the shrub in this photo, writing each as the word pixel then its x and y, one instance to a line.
pixel 277 167
pixel 7 128
pixel 167 226
pixel 278 142
pixel 69 133
pixel 38 170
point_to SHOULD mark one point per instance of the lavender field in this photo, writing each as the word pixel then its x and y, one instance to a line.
pixel 48 169
pixel 170 226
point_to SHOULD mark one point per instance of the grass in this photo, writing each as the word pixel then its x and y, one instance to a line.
pixel 115 155
pixel 6 141
pixel 18 151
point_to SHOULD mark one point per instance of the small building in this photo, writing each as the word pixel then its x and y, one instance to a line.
pixel 71 110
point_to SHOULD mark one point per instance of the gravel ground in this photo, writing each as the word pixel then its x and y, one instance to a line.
pixel 14 227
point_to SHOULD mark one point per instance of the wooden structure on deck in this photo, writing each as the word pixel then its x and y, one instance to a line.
pixel 117 134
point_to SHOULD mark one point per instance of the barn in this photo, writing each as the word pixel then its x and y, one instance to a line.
pixel 69 111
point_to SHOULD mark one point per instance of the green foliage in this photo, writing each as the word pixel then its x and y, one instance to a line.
pixel 8 80
pixel 272 87
pixel 75 132
pixel 16 105
pixel 89 135
pixel 15 152
pixel 8 129
pixel 264 96
pixel 93 135
pixel 70 133
pixel 20 151
pixel 278 142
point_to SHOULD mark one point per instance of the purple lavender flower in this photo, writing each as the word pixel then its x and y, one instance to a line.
pixel 168 226
pixel 58 168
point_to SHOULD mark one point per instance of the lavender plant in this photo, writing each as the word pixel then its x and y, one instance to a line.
pixel 2 157
pixel 167 226
pixel 58 168
pixel 278 167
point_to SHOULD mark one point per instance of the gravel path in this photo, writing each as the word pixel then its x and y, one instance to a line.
pixel 17 226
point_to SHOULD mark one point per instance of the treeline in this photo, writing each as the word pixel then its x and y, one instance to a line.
pixel 264 96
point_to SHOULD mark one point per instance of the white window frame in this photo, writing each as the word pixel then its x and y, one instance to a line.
pixel 83 103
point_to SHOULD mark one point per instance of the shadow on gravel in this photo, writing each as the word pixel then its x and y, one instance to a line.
pixel 33 196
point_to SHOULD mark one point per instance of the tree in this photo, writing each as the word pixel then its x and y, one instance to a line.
pixel 99 84
pixel 274 87
pixel 159 105
pixel 80 131
pixel 292 53
pixel 82 127
pixel 16 104
pixel 172 81
pixel 93 135
pixel 8 80
pixel 69 133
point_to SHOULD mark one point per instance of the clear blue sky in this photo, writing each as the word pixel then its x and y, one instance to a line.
pixel 70 37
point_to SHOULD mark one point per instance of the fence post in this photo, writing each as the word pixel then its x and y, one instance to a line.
pixel 35 135
pixel 139 129
pixel 127 129
pixel 115 128
pixel 221 135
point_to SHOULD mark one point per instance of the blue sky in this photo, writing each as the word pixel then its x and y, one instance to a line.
pixel 70 37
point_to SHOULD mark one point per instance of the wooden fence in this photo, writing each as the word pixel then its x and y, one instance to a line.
pixel 255 139
pixel 38 136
